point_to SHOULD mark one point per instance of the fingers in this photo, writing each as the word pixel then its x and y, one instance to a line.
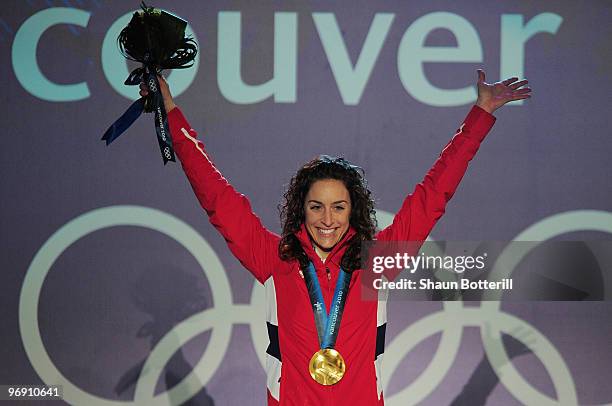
pixel 162 81
pixel 144 90
pixel 520 96
pixel 509 80
pixel 523 90
pixel 163 86
pixel 516 85
pixel 481 75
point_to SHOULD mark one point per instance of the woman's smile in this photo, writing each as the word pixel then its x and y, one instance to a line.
pixel 327 213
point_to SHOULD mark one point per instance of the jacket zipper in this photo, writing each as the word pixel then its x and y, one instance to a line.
pixel 328 280
pixel 328 285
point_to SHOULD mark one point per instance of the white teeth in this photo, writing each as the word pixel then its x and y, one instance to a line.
pixel 326 231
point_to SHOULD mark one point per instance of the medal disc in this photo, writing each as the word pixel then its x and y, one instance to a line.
pixel 327 366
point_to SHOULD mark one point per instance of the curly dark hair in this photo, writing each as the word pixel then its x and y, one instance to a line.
pixel 292 212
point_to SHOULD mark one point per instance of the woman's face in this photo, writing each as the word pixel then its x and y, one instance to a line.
pixel 328 210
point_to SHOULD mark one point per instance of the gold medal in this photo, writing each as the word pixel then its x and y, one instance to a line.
pixel 327 366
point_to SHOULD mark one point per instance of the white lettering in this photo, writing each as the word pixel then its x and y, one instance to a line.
pixel 351 80
pixel 514 35
pixel 24 60
pixel 412 53
pixel 283 83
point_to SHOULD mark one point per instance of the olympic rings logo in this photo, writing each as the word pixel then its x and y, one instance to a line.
pixel 152 85
pixel 167 153
pixel 221 318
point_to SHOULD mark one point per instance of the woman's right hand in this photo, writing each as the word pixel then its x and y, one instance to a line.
pixel 165 91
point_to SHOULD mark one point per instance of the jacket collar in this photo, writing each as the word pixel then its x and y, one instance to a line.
pixel 335 256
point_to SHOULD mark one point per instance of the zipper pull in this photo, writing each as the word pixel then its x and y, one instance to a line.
pixel 328 274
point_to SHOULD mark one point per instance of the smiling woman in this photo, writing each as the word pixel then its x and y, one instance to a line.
pixel 327 208
pixel 313 268
pixel 327 196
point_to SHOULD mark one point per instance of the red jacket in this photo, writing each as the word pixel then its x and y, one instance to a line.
pixel 291 327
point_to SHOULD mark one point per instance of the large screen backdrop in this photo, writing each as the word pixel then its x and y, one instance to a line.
pixel 114 282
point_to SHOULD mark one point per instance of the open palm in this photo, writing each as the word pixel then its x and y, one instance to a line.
pixel 492 96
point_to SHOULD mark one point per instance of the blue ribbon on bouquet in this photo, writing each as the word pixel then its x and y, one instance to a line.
pixel 154 102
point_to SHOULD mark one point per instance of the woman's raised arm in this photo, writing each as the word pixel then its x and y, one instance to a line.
pixel 426 204
pixel 229 211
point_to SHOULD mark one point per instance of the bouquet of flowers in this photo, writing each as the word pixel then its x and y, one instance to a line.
pixel 156 39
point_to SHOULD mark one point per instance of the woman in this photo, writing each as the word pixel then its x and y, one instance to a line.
pixel 328 211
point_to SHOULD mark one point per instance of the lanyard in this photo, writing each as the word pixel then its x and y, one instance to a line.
pixel 327 325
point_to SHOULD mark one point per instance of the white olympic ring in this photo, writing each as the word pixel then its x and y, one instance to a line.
pixel 141 217
pixel 578 220
pixel 225 314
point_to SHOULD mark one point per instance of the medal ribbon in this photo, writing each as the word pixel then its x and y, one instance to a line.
pixel 327 325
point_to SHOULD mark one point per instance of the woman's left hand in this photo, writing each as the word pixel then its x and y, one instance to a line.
pixel 492 96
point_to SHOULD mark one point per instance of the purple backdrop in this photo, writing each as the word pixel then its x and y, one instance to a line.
pixel 111 294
